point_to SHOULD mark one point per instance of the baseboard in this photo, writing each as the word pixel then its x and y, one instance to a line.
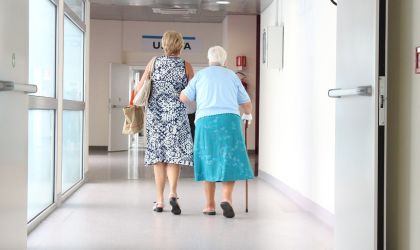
pixel 105 148
pixel 306 204
pixel 98 148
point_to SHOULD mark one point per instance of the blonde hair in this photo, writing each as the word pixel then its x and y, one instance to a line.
pixel 217 55
pixel 172 43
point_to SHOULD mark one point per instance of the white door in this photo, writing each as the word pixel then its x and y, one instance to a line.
pixel 14 40
pixel 356 188
pixel 119 84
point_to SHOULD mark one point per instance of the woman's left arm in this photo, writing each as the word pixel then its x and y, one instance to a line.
pixel 190 74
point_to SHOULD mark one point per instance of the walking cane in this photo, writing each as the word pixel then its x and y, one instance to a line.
pixel 246 181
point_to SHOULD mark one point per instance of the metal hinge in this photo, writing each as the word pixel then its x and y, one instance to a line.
pixel 382 104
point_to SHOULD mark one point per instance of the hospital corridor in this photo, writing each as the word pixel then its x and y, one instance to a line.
pixel 207 124
pixel 113 211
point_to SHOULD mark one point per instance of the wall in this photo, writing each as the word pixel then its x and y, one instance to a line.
pixel 403 127
pixel 297 119
pixel 105 48
pixel 236 30
pixel 207 35
pixel 120 42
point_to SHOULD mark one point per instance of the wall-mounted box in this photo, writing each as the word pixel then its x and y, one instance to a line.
pixel 275 47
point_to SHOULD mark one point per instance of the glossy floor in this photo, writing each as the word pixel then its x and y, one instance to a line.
pixel 113 210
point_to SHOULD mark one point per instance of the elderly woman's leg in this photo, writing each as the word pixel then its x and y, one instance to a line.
pixel 160 179
pixel 209 189
pixel 173 171
pixel 227 191
pixel 227 199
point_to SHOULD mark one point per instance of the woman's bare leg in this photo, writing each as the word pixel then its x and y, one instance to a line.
pixel 209 189
pixel 227 191
pixel 227 199
pixel 160 179
pixel 173 171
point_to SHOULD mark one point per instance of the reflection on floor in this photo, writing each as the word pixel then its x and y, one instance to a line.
pixel 113 210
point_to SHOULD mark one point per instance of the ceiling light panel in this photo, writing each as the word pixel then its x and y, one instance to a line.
pixel 203 10
pixel 223 2
pixel 174 11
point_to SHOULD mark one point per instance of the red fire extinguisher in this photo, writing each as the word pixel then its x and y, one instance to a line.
pixel 241 62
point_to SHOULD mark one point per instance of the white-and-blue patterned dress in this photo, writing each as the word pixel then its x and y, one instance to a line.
pixel 168 133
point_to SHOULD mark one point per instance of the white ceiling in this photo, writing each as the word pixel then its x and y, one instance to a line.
pixel 141 10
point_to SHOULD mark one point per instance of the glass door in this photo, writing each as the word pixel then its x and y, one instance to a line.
pixel 43 106
pixel 73 95
pixel 56 152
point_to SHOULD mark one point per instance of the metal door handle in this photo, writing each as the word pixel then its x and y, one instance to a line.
pixel 359 91
pixel 18 87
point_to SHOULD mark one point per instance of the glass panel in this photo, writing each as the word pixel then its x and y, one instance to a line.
pixel 72 148
pixel 40 161
pixel 42 29
pixel 78 7
pixel 73 61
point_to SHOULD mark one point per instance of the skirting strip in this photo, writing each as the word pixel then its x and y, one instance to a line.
pixel 306 204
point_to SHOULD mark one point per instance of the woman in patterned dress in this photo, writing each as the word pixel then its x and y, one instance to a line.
pixel 219 148
pixel 168 135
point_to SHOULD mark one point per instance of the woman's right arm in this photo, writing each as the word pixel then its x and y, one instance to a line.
pixel 189 70
pixel 244 100
pixel 188 94
pixel 183 98
pixel 246 107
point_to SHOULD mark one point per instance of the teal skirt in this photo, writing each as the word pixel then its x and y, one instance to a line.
pixel 219 149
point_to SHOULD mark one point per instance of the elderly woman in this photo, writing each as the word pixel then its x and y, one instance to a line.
pixel 219 149
pixel 168 135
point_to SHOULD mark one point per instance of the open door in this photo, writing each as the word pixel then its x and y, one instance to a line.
pixel 14 54
pixel 119 84
pixel 359 173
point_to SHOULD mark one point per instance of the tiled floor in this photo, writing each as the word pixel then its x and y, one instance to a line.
pixel 113 211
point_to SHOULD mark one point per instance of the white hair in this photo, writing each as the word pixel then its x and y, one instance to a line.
pixel 217 55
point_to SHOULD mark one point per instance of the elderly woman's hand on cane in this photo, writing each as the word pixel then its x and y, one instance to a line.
pixel 246 118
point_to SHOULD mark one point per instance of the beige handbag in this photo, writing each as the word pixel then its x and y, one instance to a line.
pixel 134 120
pixel 142 97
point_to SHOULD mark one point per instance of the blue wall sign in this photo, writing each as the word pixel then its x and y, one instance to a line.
pixel 153 43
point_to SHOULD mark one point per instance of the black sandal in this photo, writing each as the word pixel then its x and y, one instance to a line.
pixel 209 212
pixel 175 206
pixel 227 209
pixel 156 207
